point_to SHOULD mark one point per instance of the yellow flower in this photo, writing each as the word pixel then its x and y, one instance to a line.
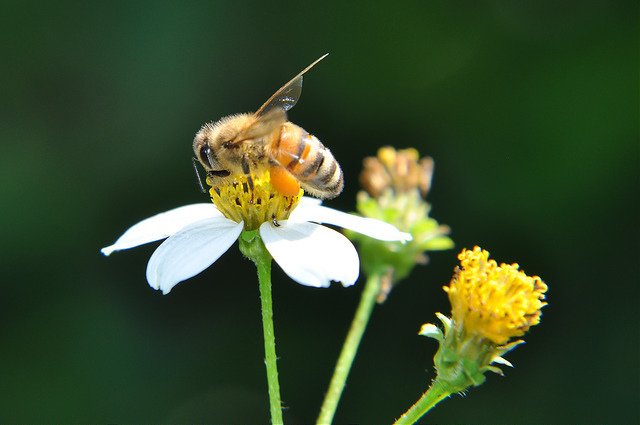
pixel 253 200
pixel 496 302
pixel 490 305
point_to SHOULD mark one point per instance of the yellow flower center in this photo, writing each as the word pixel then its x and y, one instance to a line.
pixel 495 302
pixel 251 198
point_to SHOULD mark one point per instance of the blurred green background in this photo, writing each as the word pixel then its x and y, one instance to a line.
pixel 530 110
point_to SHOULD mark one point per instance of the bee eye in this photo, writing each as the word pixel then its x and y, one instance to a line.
pixel 205 156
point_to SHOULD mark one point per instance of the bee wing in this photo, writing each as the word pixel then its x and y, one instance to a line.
pixel 265 124
pixel 287 96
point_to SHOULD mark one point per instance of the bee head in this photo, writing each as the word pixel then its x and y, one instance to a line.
pixel 215 144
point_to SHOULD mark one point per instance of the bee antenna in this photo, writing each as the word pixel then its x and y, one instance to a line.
pixel 198 177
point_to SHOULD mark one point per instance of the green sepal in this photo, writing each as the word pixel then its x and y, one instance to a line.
pixel 495 370
pixel 252 247
pixel 463 360
pixel 431 331
pixel 409 213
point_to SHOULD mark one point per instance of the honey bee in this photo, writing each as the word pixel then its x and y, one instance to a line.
pixel 266 141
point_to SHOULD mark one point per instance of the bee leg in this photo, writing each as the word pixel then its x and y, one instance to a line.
pixel 218 173
pixel 245 165
pixel 247 171
pixel 274 221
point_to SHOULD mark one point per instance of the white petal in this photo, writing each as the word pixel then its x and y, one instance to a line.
pixel 311 254
pixel 162 225
pixel 307 200
pixel 367 226
pixel 190 251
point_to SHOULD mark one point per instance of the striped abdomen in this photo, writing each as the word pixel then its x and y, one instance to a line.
pixel 308 160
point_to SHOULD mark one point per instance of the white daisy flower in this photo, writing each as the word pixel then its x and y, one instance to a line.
pixel 198 234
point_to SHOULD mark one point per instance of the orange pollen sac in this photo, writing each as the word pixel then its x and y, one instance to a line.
pixel 283 181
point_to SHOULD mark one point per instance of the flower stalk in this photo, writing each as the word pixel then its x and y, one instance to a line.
pixel 349 349
pixel 252 247
pixel 396 183
pixel 437 392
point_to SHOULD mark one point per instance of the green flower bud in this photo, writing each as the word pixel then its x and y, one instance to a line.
pixel 396 183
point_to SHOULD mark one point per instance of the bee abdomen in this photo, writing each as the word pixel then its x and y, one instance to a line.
pixel 318 170
pixel 304 156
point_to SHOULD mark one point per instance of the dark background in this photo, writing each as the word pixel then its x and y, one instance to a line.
pixel 530 110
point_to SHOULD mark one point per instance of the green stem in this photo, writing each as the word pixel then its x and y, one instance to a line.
pixel 252 246
pixel 434 395
pixel 349 349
